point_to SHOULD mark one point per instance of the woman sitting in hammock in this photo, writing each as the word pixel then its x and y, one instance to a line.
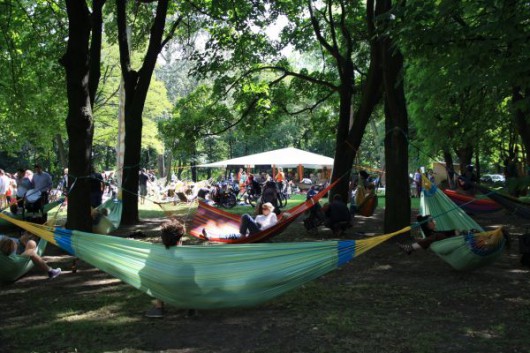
pixel 428 227
pixel 249 225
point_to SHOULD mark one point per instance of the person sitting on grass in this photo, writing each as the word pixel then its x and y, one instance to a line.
pixel 249 225
pixel 428 227
pixel 337 215
pixel 26 246
pixel 171 234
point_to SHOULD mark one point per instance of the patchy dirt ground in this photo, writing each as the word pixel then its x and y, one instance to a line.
pixel 383 301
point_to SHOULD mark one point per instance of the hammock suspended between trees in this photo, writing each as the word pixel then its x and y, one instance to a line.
pixel 512 204
pixel 473 203
pixel 207 277
pixel 218 222
pixel 464 252
pixel 105 225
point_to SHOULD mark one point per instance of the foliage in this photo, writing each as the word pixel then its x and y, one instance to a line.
pixel 464 60
pixel 32 100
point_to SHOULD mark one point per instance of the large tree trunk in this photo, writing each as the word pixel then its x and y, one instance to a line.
pixel 61 151
pixel 79 122
pixel 136 87
pixel 348 144
pixel 398 212
pixel 521 121
pixel 450 168
pixel 465 155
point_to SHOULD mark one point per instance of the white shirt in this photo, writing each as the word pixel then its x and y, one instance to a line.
pixel 266 221
pixel 4 184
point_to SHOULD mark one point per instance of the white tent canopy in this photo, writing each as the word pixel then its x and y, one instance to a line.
pixel 289 157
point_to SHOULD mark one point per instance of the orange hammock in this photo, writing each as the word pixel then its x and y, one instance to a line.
pixel 219 222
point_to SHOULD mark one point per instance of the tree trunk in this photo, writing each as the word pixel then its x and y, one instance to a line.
pixel 79 122
pixel 465 155
pixel 348 144
pixel 136 88
pixel 397 196
pixel 62 153
pixel 450 168
pixel 521 121
pixel 160 165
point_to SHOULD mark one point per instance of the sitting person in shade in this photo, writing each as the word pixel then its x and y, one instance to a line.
pixel 26 246
pixel 428 227
pixel 249 225
pixel 338 217
pixel 172 232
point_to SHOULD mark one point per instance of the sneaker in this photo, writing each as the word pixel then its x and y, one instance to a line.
pixel 204 233
pixel 406 248
pixel 54 272
pixel 155 312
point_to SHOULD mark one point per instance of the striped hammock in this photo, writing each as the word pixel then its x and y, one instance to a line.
pixel 218 222
pixel 465 252
pixel 207 277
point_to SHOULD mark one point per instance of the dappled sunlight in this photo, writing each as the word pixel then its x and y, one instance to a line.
pixel 107 311
pixel 485 334
pixel 518 270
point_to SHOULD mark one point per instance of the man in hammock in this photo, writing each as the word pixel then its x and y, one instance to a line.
pixel 249 225
pixel 26 246
pixel 428 227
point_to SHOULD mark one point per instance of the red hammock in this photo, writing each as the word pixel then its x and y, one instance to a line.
pixel 472 203
pixel 219 222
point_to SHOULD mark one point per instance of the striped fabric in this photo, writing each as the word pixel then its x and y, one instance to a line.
pixel 465 252
pixel 208 277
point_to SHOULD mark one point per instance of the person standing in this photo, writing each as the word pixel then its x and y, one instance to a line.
pixel 63 184
pixel 42 182
pixel 417 182
pixel 97 185
pixel 5 184
pixel 280 179
pixel 142 180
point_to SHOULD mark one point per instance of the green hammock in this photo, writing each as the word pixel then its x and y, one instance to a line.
pixel 15 266
pixel 106 224
pixel 464 252
pixel 207 277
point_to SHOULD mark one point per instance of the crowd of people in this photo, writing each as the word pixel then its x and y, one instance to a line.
pixel 24 186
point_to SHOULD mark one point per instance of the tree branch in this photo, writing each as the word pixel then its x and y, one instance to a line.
pixel 172 31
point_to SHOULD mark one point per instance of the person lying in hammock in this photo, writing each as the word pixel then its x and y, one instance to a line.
pixel 428 227
pixel 249 225
pixel 26 246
